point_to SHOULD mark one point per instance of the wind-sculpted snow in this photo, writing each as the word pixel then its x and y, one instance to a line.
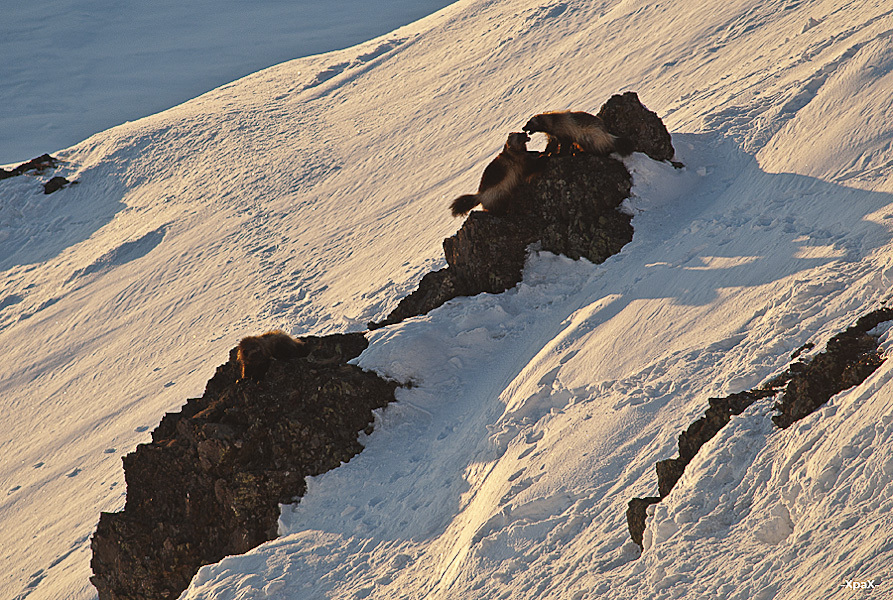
pixel 315 210
pixel 490 479
pixel 850 357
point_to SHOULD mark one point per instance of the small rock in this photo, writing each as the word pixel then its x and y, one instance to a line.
pixel 55 184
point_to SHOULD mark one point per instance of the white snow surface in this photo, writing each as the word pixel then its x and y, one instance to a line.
pixel 313 195
pixel 75 67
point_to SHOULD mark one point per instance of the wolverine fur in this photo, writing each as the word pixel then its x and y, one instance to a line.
pixel 256 352
pixel 501 178
pixel 568 132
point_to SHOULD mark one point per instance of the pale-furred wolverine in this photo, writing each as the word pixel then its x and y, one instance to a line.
pixel 567 131
pixel 256 352
pixel 501 178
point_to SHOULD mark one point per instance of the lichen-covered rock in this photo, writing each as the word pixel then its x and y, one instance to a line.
pixel 211 481
pixel 572 209
pixel 487 254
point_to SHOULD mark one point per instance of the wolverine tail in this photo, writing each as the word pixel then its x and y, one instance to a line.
pixel 624 146
pixel 463 204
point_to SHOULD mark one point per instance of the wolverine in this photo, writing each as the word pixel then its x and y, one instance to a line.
pixel 502 177
pixel 256 352
pixel 568 132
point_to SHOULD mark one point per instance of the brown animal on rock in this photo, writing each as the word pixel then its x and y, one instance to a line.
pixel 568 132
pixel 256 352
pixel 503 175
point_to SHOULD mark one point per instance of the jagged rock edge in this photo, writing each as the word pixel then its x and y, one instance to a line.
pixel 563 238
pixel 849 358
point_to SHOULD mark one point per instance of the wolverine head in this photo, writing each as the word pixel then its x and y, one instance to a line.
pixel 517 141
pixel 535 124
pixel 538 123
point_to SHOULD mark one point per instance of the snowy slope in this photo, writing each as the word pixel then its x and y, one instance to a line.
pixel 82 66
pixel 312 195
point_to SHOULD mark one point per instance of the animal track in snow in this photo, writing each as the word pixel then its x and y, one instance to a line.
pixel 361 60
pixel 123 254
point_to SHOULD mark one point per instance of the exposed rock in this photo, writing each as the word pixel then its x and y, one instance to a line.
pixel 635 517
pixel 55 184
pixel 701 431
pixel 211 481
pixel 625 116
pixel 571 208
pixel 434 290
pixel 39 164
pixel 488 252
pixel 848 359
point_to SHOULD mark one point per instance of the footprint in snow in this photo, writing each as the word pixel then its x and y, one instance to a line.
pixel 527 452
pixel 534 436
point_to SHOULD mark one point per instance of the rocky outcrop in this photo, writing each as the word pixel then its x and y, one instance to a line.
pixel 636 511
pixel 55 184
pixel 716 417
pixel 211 481
pixel 848 359
pixel 625 116
pixel 39 165
pixel 571 208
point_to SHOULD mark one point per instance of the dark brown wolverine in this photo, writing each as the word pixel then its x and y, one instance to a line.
pixel 503 175
pixel 256 352
pixel 568 132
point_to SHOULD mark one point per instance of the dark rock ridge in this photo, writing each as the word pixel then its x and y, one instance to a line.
pixel 571 208
pixel 848 359
pixel 39 164
pixel 211 481
pixel 55 184
pixel 624 116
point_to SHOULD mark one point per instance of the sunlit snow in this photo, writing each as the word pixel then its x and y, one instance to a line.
pixel 313 195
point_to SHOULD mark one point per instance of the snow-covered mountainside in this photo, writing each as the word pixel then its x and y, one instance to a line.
pixel 313 195
pixel 87 65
